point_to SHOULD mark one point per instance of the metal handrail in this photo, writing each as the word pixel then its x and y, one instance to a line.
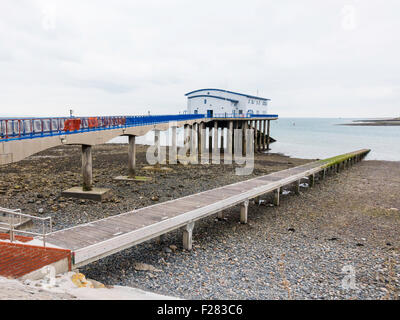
pixel 17 212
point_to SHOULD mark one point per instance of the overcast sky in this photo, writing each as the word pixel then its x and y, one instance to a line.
pixel 328 58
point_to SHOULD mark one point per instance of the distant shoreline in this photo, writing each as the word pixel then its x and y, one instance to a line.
pixel 374 122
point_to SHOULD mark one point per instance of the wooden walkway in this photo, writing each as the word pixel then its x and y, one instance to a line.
pixel 95 240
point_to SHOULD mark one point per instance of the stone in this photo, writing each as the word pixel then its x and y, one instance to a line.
pixel 139 266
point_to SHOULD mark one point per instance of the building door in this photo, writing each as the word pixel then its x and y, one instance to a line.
pixel 210 113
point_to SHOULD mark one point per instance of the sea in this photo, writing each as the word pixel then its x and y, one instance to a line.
pixel 318 138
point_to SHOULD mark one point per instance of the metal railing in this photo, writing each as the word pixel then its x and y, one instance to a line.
pixel 18 129
pixel 30 128
pixel 243 115
pixel 15 219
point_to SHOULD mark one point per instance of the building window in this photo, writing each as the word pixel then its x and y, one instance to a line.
pixel 205 101
pixel 252 101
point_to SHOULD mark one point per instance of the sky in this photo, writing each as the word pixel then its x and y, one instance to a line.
pixel 312 58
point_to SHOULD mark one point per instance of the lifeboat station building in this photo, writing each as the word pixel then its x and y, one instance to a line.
pixel 215 102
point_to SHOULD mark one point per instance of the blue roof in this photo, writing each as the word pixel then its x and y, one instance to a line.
pixel 222 90
pixel 210 96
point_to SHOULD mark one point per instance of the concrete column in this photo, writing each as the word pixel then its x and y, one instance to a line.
pixel 243 212
pixel 187 236
pixel 323 175
pixel 268 132
pixel 259 136
pixel 132 156
pixel 276 196
pixel 157 144
pixel 254 126
pixel 244 137
pixel 192 139
pixel 215 149
pixel 229 144
pixel 187 138
pixel 264 134
pixel 174 147
pixel 297 187
pixel 203 156
pixel 210 139
pixel 220 215
pixel 87 166
pixel 311 180
pixel 222 140
pixel 199 141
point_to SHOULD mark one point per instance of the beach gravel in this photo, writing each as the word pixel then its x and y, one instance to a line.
pixel 299 250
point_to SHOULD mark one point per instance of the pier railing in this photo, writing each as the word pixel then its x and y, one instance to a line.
pixel 17 129
pixel 30 128
pixel 14 218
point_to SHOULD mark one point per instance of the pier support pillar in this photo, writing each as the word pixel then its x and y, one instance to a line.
pixel 276 196
pixel 229 144
pixel 87 191
pixel 203 156
pixel 243 212
pixel 244 138
pixel 192 139
pixel 297 187
pixel 87 175
pixel 215 153
pixel 259 136
pixel 174 147
pixel 222 140
pixel 221 215
pixel 132 156
pixel 311 180
pixel 268 131
pixel 210 139
pixel 187 236
pixel 264 133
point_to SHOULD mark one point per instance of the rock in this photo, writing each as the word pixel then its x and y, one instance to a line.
pixel 167 250
pixel 41 211
pixel 80 281
pixel 139 266
pixel 155 198
pixel 173 247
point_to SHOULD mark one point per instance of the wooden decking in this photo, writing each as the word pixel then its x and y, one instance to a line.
pixel 95 240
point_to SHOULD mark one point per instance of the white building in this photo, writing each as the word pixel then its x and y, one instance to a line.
pixel 220 102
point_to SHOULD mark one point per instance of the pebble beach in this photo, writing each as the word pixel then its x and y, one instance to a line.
pixel 299 250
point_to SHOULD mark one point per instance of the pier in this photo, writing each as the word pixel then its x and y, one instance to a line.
pixel 98 239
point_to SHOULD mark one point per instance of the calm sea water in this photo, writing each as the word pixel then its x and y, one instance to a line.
pixel 320 138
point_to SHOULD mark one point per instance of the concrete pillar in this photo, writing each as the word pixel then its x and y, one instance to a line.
pixel 215 149
pixel 210 139
pixel 229 137
pixel 87 175
pixel 276 196
pixel 243 212
pixel 323 175
pixel 192 139
pixel 157 144
pixel 220 215
pixel 254 126
pixel 268 132
pixel 174 147
pixel 311 180
pixel 264 135
pixel 244 137
pixel 222 140
pixel 203 156
pixel 187 236
pixel 132 156
pixel 199 140
pixel 297 187
pixel 259 136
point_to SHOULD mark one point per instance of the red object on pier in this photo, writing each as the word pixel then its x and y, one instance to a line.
pixel 72 124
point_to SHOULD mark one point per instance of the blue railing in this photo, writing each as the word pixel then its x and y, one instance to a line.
pixel 24 128
pixel 243 115
pixel 29 128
